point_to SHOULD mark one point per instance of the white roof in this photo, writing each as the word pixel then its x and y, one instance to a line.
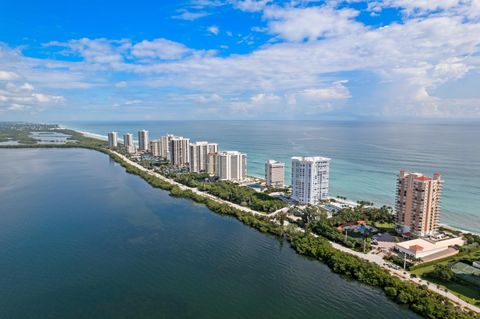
pixel 310 158
pixel 425 245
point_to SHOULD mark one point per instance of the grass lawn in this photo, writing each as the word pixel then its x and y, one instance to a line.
pixel 465 291
pixel 384 226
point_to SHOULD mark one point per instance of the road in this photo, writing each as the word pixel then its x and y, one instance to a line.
pixel 377 259
pixel 196 190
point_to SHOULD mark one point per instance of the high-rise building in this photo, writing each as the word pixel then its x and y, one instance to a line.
pixel 179 150
pixel 274 174
pixel 231 166
pixel 155 147
pixel 212 163
pixel 112 139
pixel 417 203
pixel 310 179
pixel 128 143
pixel 165 146
pixel 199 155
pixel 143 140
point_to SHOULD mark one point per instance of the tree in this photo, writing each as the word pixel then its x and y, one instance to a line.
pixel 442 272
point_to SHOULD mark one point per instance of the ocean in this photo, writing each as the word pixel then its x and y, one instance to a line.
pixel 366 156
pixel 81 238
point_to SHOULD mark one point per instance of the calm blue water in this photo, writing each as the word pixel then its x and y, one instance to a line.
pixel 365 156
pixel 80 238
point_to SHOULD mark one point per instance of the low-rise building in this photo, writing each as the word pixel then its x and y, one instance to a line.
pixel 421 248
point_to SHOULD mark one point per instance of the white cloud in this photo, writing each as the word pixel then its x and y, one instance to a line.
pixel 213 29
pixel 251 5
pixel 21 97
pixel 190 15
pixel 417 6
pixel 159 49
pixel 264 98
pixel 6 75
pixel 336 92
pixel 298 24
pixel 404 62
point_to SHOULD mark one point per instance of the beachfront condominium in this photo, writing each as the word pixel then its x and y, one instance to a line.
pixel 165 146
pixel 112 139
pixel 274 174
pixel 179 150
pixel 212 163
pixel 310 179
pixel 155 147
pixel 143 140
pixel 199 155
pixel 417 202
pixel 231 166
pixel 128 143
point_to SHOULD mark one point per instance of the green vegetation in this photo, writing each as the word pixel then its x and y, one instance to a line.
pixel 442 272
pixel 327 227
pixel 371 215
pixel 384 227
pixel 20 132
pixel 231 192
pixel 435 271
pixel 418 298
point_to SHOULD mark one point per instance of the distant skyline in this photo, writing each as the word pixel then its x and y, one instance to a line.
pixel 240 59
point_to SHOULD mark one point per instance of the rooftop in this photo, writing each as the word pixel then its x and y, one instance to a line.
pixel 310 158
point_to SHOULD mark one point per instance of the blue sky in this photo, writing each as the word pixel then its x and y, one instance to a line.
pixel 240 59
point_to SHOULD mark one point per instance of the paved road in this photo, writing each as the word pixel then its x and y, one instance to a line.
pixel 196 190
pixel 377 259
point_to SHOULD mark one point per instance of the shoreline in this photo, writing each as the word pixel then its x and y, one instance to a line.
pixel 341 261
pixel 104 137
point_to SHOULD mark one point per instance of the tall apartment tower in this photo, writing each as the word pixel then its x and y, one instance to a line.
pixel 179 150
pixel 274 174
pixel 128 143
pixel 199 155
pixel 310 179
pixel 231 166
pixel 143 140
pixel 155 147
pixel 165 146
pixel 212 163
pixel 112 139
pixel 417 203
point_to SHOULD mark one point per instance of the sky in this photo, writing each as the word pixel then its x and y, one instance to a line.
pixel 239 59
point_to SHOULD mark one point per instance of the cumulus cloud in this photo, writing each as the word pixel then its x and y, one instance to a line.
pixel 313 50
pixel 6 75
pixel 159 49
pixel 298 24
pixel 19 97
pixel 251 5
pixel 213 29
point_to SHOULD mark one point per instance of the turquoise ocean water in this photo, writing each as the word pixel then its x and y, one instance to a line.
pixel 80 238
pixel 365 156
